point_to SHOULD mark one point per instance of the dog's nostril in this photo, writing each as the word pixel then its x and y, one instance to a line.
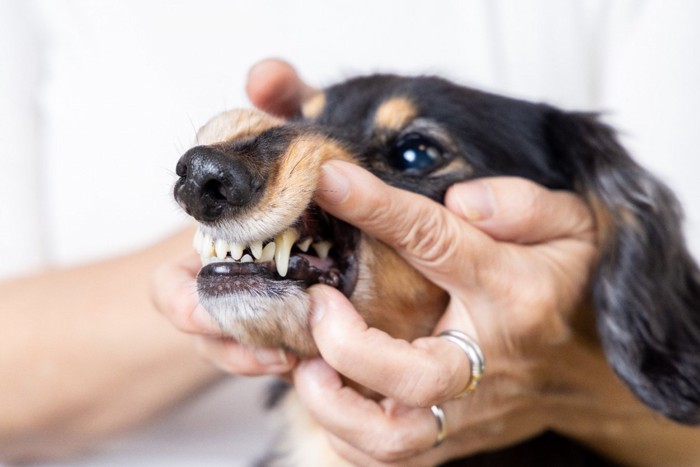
pixel 216 190
pixel 181 168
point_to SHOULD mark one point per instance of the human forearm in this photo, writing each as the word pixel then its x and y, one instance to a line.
pixel 602 413
pixel 85 354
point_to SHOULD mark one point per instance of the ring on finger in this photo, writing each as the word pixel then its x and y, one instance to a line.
pixel 439 415
pixel 473 351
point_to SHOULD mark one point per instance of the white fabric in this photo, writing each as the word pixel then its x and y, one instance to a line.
pixel 99 99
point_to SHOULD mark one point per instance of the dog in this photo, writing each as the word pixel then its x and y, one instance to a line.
pixel 250 181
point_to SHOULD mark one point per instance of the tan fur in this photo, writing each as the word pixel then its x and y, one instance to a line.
pixel 399 301
pixel 394 114
pixel 236 124
pixel 313 107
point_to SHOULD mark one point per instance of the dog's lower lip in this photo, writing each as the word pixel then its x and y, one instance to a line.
pixel 300 271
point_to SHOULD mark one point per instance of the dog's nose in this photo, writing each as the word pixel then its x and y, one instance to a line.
pixel 212 183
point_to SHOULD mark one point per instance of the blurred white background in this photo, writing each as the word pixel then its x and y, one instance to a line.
pixel 98 98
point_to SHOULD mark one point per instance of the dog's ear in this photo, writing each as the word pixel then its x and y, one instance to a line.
pixel 646 289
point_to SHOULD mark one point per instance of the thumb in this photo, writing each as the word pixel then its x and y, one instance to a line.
pixel 518 210
pixel 436 242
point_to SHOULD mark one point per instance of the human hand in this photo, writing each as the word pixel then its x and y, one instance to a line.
pixel 515 259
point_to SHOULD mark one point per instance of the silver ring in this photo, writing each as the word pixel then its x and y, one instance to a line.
pixel 439 415
pixel 476 357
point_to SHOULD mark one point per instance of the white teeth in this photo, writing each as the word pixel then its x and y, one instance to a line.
pixel 237 250
pixel 256 248
pixel 197 241
pixel 322 249
pixel 304 245
pixel 221 248
pixel 207 246
pixel 278 250
pixel 268 253
pixel 284 243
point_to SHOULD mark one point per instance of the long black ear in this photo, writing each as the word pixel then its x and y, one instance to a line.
pixel 647 287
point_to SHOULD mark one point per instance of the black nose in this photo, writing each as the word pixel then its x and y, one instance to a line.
pixel 213 183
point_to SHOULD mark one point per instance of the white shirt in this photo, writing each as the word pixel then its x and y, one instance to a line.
pixel 100 98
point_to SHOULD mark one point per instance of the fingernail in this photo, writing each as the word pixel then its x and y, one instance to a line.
pixel 474 200
pixel 271 356
pixel 318 304
pixel 333 185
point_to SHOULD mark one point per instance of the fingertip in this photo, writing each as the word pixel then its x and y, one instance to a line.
pixel 334 185
pixel 474 201
pixel 333 311
pixel 316 375
pixel 274 86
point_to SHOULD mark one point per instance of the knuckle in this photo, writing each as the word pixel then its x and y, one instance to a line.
pixel 424 388
pixel 432 239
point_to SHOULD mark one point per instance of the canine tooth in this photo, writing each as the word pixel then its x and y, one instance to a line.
pixel 256 248
pixel 221 248
pixel 207 246
pixel 283 248
pixel 268 253
pixel 322 248
pixel 247 258
pixel 305 244
pixel 236 250
pixel 197 241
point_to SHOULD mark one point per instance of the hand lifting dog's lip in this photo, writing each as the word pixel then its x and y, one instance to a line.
pixel 251 179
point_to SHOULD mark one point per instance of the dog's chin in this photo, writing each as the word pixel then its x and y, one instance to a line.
pixel 255 306
pixel 258 311
pixel 257 291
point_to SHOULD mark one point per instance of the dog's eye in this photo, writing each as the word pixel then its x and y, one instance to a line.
pixel 415 153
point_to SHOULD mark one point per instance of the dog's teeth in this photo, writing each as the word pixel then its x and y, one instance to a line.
pixel 256 248
pixel 206 259
pixel 268 253
pixel 197 241
pixel 221 248
pixel 305 244
pixel 322 248
pixel 283 248
pixel 247 258
pixel 236 250
pixel 207 246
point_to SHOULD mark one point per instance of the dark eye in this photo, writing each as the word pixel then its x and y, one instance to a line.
pixel 415 153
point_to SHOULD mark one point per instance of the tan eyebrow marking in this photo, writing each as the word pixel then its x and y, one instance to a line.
pixel 313 107
pixel 395 114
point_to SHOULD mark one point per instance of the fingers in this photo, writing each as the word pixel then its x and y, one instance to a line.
pixel 385 431
pixel 425 372
pixel 437 243
pixel 518 210
pixel 174 292
pixel 232 357
pixel 275 87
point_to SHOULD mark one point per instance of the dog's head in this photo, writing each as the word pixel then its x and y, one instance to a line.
pixel 250 184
